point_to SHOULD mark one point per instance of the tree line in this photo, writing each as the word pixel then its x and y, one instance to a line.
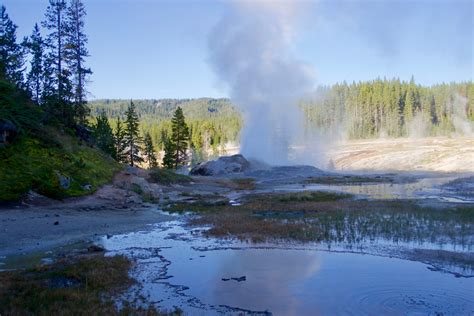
pixel 125 143
pixel 212 122
pixel 55 80
pixel 56 75
pixel 392 108
pixel 359 110
pixel 50 67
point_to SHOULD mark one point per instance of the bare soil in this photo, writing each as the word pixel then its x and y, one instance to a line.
pixel 440 154
pixel 40 224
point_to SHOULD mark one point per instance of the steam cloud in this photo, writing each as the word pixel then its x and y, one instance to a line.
pixel 251 53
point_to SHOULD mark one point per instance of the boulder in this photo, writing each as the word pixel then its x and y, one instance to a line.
pixel 222 166
pixel 8 131
pixel 86 187
pixel 64 182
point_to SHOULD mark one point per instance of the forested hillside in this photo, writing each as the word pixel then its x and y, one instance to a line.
pixel 46 145
pixel 392 108
pixel 212 122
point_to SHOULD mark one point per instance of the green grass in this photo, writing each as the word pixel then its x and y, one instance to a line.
pixel 84 286
pixel 239 183
pixel 347 180
pixel 306 196
pixel 31 163
pixel 318 196
pixel 167 177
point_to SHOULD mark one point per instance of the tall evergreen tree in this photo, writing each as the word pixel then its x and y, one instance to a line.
pixel 34 78
pixel 120 144
pixel 169 159
pixel 75 54
pixel 11 53
pixel 150 151
pixel 179 138
pixel 56 42
pixel 104 136
pixel 132 137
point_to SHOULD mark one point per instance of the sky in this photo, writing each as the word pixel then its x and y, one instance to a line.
pixel 160 48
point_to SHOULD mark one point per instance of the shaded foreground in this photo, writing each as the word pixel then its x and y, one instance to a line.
pixel 74 286
pixel 267 241
pixel 178 267
pixel 442 236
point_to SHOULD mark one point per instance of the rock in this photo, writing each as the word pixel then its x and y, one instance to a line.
pixel 33 198
pixel 8 132
pixel 64 181
pixel 86 187
pixel 129 170
pixel 222 166
pixel 56 223
pixel 95 248
pixel 240 279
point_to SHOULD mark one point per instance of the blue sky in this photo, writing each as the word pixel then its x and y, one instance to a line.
pixel 159 49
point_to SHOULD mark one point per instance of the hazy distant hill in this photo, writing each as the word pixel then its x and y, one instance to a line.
pixel 202 109
pixel 212 122
pixel 360 110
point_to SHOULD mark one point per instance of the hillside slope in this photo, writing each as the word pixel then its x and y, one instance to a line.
pixel 46 159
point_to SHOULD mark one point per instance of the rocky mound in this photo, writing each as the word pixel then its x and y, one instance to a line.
pixel 222 166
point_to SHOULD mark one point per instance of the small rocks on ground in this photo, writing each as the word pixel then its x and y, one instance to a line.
pixel 239 279
pixel 95 248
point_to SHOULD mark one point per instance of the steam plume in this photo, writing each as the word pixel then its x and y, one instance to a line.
pixel 251 53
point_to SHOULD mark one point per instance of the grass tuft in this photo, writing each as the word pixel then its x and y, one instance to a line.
pixel 167 177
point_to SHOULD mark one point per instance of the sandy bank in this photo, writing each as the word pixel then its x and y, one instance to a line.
pixel 42 224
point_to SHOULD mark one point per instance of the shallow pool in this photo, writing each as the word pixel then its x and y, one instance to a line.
pixel 177 267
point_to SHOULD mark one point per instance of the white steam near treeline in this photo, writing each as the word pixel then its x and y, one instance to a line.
pixel 251 52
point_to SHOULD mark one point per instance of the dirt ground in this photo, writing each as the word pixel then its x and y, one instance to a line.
pixel 39 224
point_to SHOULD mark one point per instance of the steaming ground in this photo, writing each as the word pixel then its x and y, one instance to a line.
pixel 434 154
pixel 424 154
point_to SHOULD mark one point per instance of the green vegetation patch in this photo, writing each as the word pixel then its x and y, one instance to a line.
pixel 243 183
pixel 346 221
pixel 279 202
pixel 30 163
pixel 331 218
pixel 237 183
pixel 167 177
pixel 83 286
pixel 342 180
pixel 306 196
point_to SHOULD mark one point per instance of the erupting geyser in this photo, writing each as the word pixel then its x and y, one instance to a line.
pixel 251 53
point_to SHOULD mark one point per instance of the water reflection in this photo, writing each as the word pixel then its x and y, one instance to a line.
pixel 178 268
pixel 429 187
pixel 447 229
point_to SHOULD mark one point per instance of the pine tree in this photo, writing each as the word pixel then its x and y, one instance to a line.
pixel 55 22
pixel 104 136
pixel 34 78
pixel 11 53
pixel 409 109
pixel 75 54
pixel 57 86
pixel 179 138
pixel 120 144
pixel 169 157
pixel 150 151
pixel 132 137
